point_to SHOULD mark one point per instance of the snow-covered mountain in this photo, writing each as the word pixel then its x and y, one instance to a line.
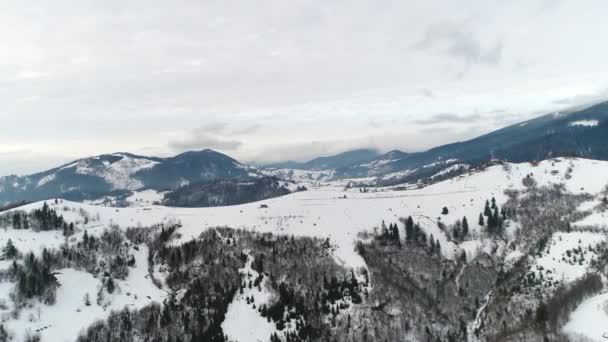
pixel 582 133
pixel 120 173
pixel 530 263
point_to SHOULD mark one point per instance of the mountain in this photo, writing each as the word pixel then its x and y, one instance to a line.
pixel 331 162
pixel 118 173
pixel 582 133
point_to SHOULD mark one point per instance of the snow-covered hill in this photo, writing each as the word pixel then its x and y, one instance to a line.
pixel 117 175
pixel 327 210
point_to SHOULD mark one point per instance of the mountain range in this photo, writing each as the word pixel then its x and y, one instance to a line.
pixel 582 133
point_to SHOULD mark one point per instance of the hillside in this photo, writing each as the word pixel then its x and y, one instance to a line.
pixel 118 174
pixel 521 261
pixel 226 192
pixel 337 161
pixel 581 133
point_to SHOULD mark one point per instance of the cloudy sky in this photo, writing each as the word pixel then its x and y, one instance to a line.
pixel 269 80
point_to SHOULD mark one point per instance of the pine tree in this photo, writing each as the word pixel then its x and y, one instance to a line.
pixel 444 211
pixel 409 229
pixel 456 233
pixel 481 220
pixel 110 285
pixel 417 232
pixel 10 251
pixel 465 227
pixel 487 211
pixel 496 221
pixel 384 234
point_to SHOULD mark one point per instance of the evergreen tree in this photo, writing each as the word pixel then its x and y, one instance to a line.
pixel 85 239
pixel 456 232
pixel 417 232
pixel 465 227
pixel 497 222
pixel 110 285
pixel 409 229
pixel 384 234
pixel 487 211
pixel 10 251
pixel 481 220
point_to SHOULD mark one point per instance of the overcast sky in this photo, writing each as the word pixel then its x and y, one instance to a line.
pixel 269 80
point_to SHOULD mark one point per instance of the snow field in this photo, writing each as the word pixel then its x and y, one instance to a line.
pixel 243 323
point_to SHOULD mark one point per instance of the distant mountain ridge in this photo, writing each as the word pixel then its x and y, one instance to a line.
pixel 330 162
pixel 113 174
pixel 581 133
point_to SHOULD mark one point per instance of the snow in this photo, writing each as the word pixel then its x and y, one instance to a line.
pixel 27 240
pixel 299 176
pixel 561 262
pixel 64 320
pixel 584 123
pixel 597 219
pixel 243 323
pixel 327 209
pixel 118 174
pixel 145 198
pixel 138 289
pixel 590 319
pixel 451 168
pixel 46 179
pixel 398 174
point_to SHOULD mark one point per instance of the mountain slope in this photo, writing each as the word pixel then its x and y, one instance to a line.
pixel 583 133
pixel 331 162
pixel 118 173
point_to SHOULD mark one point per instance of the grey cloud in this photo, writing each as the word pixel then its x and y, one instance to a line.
pixel 213 127
pixel 454 39
pixel 247 129
pixel 200 139
pixel 448 118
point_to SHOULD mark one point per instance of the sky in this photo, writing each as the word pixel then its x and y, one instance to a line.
pixel 271 80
